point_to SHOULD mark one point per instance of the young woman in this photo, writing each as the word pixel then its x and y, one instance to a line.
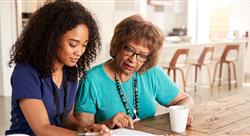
pixel 59 42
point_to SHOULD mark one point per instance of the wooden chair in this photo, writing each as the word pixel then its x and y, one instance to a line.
pixel 176 65
pixel 227 60
pixel 204 60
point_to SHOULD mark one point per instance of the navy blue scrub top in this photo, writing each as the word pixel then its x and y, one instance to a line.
pixel 26 83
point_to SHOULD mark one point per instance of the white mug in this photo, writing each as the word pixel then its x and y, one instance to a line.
pixel 178 117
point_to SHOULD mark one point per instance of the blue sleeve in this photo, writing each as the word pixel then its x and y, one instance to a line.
pixel 166 89
pixel 25 83
pixel 85 98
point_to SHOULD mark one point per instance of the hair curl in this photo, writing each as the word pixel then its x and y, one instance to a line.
pixel 136 28
pixel 40 39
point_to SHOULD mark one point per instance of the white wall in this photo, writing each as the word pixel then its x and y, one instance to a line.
pixel 108 14
pixel 192 18
pixel 198 20
pixel 239 16
pixel 29 6
pixel 240 20
pixel 171 17
pixel 199 12
pixel 7 38
pixel 203 22
pixel 103 12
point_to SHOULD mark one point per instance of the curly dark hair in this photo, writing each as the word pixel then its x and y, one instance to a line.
pixel 40 39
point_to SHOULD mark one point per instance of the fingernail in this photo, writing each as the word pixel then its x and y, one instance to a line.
pixel 132 126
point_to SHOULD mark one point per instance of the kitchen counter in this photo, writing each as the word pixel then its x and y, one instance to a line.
pixel 191 44
pixel 169 49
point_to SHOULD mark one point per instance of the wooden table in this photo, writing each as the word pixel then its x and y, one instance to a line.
pixel 225 116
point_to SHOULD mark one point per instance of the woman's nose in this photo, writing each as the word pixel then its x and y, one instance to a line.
pixel 133 58
pixel 80 50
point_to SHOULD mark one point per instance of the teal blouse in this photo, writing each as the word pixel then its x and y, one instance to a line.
pixel 97 94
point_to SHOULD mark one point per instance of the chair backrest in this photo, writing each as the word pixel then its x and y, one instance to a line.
pixel 206 55
pixel 177 55
pixel 230 49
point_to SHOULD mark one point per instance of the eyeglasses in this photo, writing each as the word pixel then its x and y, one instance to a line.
pixel 131 52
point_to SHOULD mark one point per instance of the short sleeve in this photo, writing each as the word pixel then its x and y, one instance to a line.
pixel 85 98
pixel 166 89
pixel 25 83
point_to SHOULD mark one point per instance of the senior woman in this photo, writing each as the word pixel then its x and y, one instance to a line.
pixel 129 85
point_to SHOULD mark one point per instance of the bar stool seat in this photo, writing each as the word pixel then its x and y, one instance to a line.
pixel 229 60
pixel 204 59
pixel 177 63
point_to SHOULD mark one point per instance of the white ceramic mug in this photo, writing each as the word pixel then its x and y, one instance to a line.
pixel 178 117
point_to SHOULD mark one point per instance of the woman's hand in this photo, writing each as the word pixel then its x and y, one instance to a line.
pixel 97 128
pixel 120 120
pixel 184 99
pixel 190 119
pixel 100 129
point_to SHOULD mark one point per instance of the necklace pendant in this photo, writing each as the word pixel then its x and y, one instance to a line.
pixel 136 116
pixel 134 111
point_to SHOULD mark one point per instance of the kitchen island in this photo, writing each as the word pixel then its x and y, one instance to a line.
pixel 195 50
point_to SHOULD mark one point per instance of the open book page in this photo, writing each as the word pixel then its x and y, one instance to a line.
pixel 129 132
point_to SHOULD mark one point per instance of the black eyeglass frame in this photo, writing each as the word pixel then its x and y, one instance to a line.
pixel 128 51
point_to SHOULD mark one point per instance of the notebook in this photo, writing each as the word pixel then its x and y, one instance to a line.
pixel 129 132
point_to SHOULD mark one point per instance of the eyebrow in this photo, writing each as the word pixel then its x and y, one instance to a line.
pixel 78 40
pixel 143 53
pixel 74 40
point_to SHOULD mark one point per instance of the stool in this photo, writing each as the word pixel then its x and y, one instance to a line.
pixel 175 65
pixel 204 60
pixel 227 60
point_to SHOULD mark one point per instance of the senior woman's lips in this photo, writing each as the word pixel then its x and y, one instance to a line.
pixel 129 67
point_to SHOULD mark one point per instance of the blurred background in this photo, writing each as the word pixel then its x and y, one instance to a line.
pixel 196 21
pixel 185 23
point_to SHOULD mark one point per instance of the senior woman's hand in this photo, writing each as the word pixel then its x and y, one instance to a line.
pixel 190 119
pixel 120 120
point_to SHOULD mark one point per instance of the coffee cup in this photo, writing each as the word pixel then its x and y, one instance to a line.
pixel 178 117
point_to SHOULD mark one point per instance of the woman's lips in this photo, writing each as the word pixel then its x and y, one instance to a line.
pixel 128 67
pixel 74 60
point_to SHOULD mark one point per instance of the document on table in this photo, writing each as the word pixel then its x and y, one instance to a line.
pixel 129 132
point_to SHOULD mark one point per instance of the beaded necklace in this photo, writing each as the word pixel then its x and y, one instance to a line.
pixel 123 98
